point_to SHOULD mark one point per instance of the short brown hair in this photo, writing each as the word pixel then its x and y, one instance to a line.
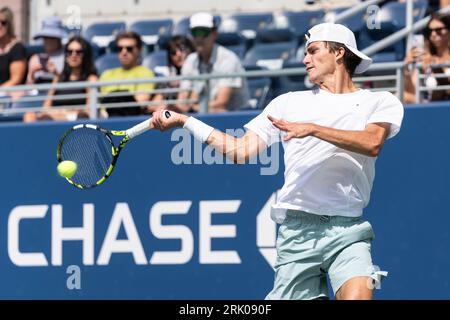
pixel 9 17
pixel 351 60
pixel 130 35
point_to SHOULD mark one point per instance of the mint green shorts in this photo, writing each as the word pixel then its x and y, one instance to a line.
pixel 311 246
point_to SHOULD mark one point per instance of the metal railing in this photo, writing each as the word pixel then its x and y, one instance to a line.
pixel 95 95
pixel 423 76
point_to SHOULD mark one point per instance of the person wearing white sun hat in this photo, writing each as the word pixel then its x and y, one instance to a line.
pixel 332 136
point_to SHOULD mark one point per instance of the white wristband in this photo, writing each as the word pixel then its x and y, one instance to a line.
pixel 201 131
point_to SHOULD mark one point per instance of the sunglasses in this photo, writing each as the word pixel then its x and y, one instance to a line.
pixel 129 49
pixel 72 52
pixel 200 32
pixel 439 31
pixel 3 23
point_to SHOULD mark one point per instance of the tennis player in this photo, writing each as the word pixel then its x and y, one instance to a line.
pixel 331 136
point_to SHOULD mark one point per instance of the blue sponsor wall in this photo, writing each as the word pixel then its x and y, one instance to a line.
pixel 131 251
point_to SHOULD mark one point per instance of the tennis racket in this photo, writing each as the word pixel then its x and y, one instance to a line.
pixel 92 149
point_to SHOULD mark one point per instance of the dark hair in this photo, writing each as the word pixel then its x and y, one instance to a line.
pixel 130 35
pixel 87 64
pixel 178 42
pixel 445 19
pixel 351 60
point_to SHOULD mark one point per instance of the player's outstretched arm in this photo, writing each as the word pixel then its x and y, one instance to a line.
pixel 237 149
pixel 368 141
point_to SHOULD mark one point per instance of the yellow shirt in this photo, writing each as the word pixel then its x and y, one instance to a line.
pixel 138 72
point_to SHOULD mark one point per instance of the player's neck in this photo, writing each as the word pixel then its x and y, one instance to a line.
pixel 339 82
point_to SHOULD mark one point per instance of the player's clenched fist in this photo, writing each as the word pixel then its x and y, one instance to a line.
pixel 163 120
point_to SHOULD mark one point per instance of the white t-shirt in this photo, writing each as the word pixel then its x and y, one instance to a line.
pixel 321 178
pixel 222 61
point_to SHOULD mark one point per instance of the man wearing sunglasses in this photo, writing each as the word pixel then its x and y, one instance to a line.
pixel 222 94
pixel 129 46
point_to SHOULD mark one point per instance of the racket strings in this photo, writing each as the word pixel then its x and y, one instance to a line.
pixel 92 151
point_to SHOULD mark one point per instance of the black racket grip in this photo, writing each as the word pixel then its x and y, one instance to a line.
pixel 167 114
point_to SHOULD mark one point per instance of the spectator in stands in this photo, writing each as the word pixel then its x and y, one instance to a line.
pixel 437 50
pixel 129 44
pixel 44 67
pixel 178 48
pixel 224 94
pixel 12 52
pixel 78 66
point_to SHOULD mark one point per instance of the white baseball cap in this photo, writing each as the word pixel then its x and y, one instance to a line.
pixel 338 33
pixel 201 20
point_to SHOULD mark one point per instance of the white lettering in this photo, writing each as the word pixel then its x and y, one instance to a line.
pixel 171 232
pixel 84 234
pixel 17 214
pixel 208 232
pixel 122 216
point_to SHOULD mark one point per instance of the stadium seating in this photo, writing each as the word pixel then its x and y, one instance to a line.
pixel 107 61
pixel 34 48
pixel 391 18
pixel 181 27
pixel 393 14
pixel 395 52
pixel 163 42
pixel 355 23
pixel 157 61
pixel 299 22
pixel 247 23
pixel 151 30
pixel 285 84
pixel 260 40
pixel 259 89
pixel 233 41
pixel 103 33
pixel 275 35
pixel 272 47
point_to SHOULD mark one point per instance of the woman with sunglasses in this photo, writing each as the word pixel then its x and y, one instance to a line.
pixel 78 66
pixel 178 48
pixel 13 63
pixel 436 51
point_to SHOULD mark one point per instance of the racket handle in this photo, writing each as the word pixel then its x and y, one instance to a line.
pixel 142 127
pixel 138 129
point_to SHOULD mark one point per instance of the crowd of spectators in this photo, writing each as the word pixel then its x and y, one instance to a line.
pixel 197 53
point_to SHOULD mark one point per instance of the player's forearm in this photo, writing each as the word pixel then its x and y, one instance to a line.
pixel 232 147
pixel 363 142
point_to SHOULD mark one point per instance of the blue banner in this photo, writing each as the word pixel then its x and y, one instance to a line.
pixel 169 224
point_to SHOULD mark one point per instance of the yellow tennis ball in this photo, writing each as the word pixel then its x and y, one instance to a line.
pixel 67 168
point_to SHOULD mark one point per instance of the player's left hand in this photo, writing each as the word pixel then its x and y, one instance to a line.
pixel 293 129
